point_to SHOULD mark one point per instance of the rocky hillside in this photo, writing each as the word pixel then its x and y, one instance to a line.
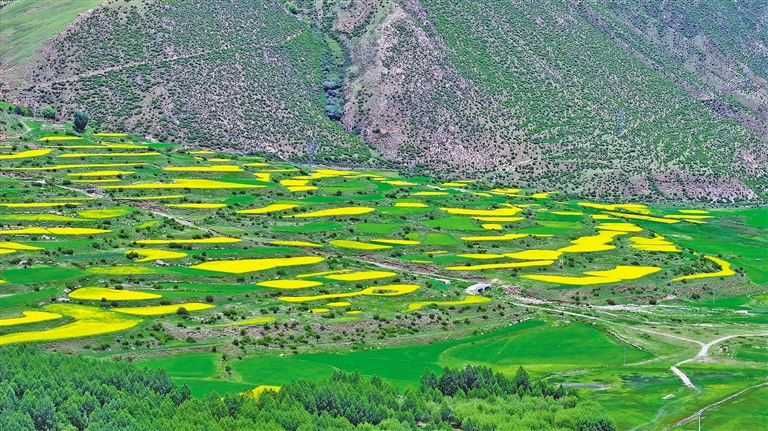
pixel 637 99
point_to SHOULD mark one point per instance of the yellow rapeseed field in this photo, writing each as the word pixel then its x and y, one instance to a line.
pixel 388 290
pixel 535 254
pixel 658 243
pixel 151 254
pixel 289 284
pixel 105 173
pixel 39 217
pixel 88 321
pixel 183 183
pixel 411 205
pixel 73 155
pixel 498 212
pixel 322 273
pixel 472 299
pixel 574 281
pixel 625 272
pixel 339 304
pixel 77 166
pixel 296 243
pixel 505 237
pixel 30 317
pixel 342 211
pixel 38 204
pixel 151 198
pixel 268 209
pixel 60 138
pixel 105 213
pixel 97 293
pixel 24 154
pixel 588 244
pixel 17 246
pixel 217 168
pixel 214 240
pixel 396 241
pixel 724 271
pixel 619 227
pixel 345 243
pixel 53 231
pixel 361 275
pixel 122 270
pixel 501 265
pixel 250 265
pixel 155 310
pixel 110 134
pixel 492 226
pixel 499 219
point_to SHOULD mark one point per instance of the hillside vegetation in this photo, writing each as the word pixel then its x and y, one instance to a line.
pixel 61 392
pixel 518 92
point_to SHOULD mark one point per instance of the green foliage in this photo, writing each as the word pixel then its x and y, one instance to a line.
pixel 48 113
pixel 55 391
pixel 81 120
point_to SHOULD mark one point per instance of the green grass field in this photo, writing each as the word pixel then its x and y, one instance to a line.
pixel 27 24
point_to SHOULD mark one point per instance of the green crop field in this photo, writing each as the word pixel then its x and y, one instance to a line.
pixel 234 272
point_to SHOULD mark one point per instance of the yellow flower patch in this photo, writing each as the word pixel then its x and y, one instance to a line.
pixel 151 254
pixel 97 293
pixel 289 284
pixel 250 265
pixel 156 310
pixel 30 317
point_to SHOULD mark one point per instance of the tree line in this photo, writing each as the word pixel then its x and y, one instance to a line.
pixel 56 391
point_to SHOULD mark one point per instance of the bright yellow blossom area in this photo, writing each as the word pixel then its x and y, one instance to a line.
pixel 17 246
pixel 589 244
pixel 105 213
pixel 619 227
pixel 388 290
pixel 492 226
pixel 88 321
pixel 296 243
pixel 181 183
pixel 345 243
pixel 151 198
pixel 53 231
pixel 250 265
pixel 289 284
pixel 162 309
pixel 60 138
pixel 498 212
pixel 361 275
pixel 535 254
pixel 505 237
pixel 105 173
pixel 615 275
pixel 30 317
pixel 396 241
pixel 214 240
pixel 122 270
pixel 319 310
pixel 724 271
pixel 643 217
pixel 97 293
pixel 40 217
pixel 657 243
pixel 499 219
pixel 472 299
pixel 339 304
pixel 268 209
pixel 411 205
pixel 38 204
pixel 322 273
pixel 72 155
pixel 501 265
pixel 24 154
pixel 635 208
pixel 109 134
pixel 217 168
pixel 342 211
pixel 151 254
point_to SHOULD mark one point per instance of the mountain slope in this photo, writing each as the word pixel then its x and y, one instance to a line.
pixel 635 99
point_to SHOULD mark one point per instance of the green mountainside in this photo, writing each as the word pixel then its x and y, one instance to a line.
pixel 635 99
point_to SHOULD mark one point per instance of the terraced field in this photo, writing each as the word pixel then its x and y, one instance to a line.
pixel 240 271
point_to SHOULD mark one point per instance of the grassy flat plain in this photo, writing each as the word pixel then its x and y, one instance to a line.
pixel 234 271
